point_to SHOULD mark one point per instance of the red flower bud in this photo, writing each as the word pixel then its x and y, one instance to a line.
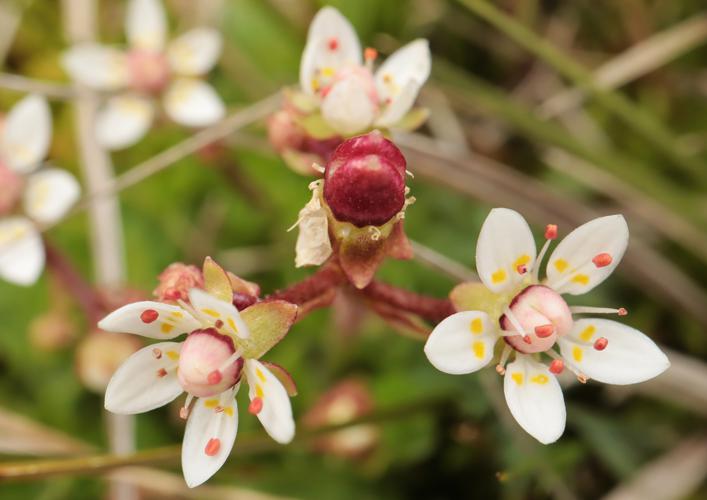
pixel 176 281
pixel 364 181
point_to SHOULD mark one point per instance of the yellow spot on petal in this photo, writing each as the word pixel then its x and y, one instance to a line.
pixel 476 326
pixel 587 333
pixel 561 265
pixel 259 391
pixel 479 349
pixel 176 314
pixel 328 71
pixel 228 411
pixel 173 355
pixel 232 324
pixel 517 378
pixel 541 379
pixel 211 403
pixel 166 328
pixel 211 312
pixel 577 354
pixel 499 276
pixel 260 374
pixel 582 279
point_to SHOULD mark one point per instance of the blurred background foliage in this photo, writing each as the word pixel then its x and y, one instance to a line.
pixel 497 137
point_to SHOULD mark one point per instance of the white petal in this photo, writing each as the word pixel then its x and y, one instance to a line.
pixel 26 134
pixel 462 343
pixel 332 44
pixel 49 194
pixel 97 66
pixel 141 384
pixel 535 399
pixel 123 121
pixel 211 309
pixel 211 418
pixel 347 108
pixel 629 357
pixel 193 103
pixel 570 268
pixel 399 106
pixel 505 242
pixel 411 63
pixel 21 251
pixel 195 52
pixel 150 319
pixel 146 25
pixel 276 413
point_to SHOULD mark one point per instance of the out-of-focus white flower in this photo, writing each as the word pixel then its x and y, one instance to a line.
pixel 339 76
pixel 531 317
pixel 220 351
pixel 149 69
pixel 27 197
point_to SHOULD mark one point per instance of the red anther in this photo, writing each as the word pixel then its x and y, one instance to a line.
pixel 219 409
pixel 157 353
pixel 601 343
pixel 602 260
pixel 582 378
pixel 551 231
pixel 500 369
pixel 622 311
pixel 183 412
pixel 527 339
pixel 218 323
pixel 214 377
pixel 161 373
pixel 557 366
pixel 255 406
pixel 212 447
pixel 544 331
pixel 333 43
pixel 370 54
pixel 149 315
pixel 522 269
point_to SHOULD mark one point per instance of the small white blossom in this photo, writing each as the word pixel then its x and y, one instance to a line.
pixel 149 69
pixel 27 197
pixel 531 317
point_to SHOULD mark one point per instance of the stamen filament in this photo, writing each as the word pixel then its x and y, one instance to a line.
pixel 598 310
pixel 501 366
pixel 539 260
pixel 231 359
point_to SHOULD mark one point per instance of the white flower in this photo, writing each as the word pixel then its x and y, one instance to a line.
pixel 219 352
pixel 352 98
pixel 149 69
pixel 531 317
pixel 27 197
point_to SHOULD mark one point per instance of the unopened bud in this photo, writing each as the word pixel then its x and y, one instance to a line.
pixel 176 281
pixel 100 354
pixel 364 181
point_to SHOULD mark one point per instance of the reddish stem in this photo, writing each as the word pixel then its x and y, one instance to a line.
pixel 429 308
pixel 87 297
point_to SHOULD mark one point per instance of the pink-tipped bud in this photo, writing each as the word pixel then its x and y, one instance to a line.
pixel 212 447
pixel 175 282
pixel 203 354
pixel 544 331
pixel 255 406
pixel 557 366
pixel 11 185
pixel 602 260
pixel 364 181
pixel 149 72
pixel 601 343
pixel 551 231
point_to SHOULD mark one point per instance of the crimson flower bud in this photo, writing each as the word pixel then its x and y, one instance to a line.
pixel 364 180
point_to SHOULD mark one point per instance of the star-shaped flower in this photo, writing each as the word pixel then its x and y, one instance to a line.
pixel 221 350
pixel 27 197
pixel 532 317
pixel 339 78
pixel 150 68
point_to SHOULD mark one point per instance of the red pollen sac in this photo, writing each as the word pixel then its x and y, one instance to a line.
pixel 183 412
pixel 527 339
pixel 557 366
pixel 214 377
pixel 333 43
pixel 212 447
pixel 370 54
pixel 522 269
pixel 157 353
pixel 218 323
pixel 622 311
pixel 149 316
pixel 551 231
pixel 601 343
pixel 602 260
pixel 161 373
pixel 255 406
pixel 544 331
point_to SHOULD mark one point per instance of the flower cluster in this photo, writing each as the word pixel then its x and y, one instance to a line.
pixel 28 197
pixel 150 68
